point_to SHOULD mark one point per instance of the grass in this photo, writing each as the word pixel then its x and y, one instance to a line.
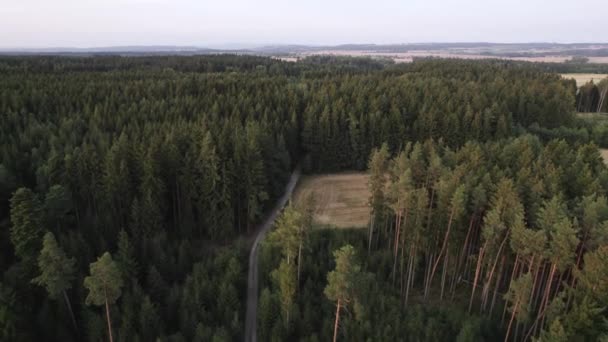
pixel 341 198
pixel 593 117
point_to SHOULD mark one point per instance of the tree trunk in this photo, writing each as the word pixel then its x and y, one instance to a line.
pixel 398 235
pixel 479 258
pixel 396 244
pixel 446 261
pixel 336 321
pixel 545 301
pixel 463 253
pixel 427 276
pixel 299 262
pixel 109 321
pixel 511 321
pixel 601 101
pixel 371 233
pixel 497 286
pixel 402 280
pixel 533 327
pixel 409 273
pixel 534 282
pixel 486 287
pixel 577 265
pixel 515 267
pixel 443 246
pixel 69 305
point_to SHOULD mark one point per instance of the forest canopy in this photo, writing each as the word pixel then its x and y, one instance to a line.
pixel 147 174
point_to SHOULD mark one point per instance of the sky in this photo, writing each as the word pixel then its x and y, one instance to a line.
pixel 246 23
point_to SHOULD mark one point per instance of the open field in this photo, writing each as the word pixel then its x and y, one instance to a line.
pixel 405 57
pixel 593 116
pixel 604 152
pixel 404 53
pixel 584 78
pixel 341 198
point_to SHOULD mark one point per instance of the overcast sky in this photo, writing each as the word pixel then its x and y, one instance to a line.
pixel 217 23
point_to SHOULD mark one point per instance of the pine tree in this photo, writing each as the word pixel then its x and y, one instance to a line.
pixel 517 297
pixel 378 168
pixel 125 257
pixel 57 271
pixel 341 281
pixel 104 284
pixel 285 278
pixel 26 229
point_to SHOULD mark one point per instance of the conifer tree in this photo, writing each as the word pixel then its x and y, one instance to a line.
pixel 104 284
pixel 57 272
pixel 341 281
pixel 26 229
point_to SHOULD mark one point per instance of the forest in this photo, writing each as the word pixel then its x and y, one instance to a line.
pixel 130 188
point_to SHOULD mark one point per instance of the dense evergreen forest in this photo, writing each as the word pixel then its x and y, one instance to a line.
pixel 130 187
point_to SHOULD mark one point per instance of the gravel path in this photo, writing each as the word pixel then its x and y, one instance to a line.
pixel 252 279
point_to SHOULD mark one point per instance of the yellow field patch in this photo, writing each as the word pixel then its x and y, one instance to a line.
pixel 581 79
pixel 341 199
pixel 604 152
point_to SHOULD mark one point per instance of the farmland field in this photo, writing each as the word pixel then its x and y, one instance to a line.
pixel 604 152
pixel 341 199
pixel 584 78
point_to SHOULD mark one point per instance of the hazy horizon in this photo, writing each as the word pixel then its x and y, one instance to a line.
pixel 239 23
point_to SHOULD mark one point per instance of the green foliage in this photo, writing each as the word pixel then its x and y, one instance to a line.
pixel 167 161
pixel 26 229
pixel 341 281
pixel 285 278
pixel 125 257
pixel 104 282
pixel 56 269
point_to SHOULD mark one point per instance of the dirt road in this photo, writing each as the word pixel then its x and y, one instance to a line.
pixel 252 278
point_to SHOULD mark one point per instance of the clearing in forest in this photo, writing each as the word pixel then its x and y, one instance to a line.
pixel 341 198
pixel 604 152
pixel 581 79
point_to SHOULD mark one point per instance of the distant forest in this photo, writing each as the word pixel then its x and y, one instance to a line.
pixel 130 187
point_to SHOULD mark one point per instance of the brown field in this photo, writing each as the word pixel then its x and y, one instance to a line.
pixel 341 199
pixel 584 78
pixel 406 57
pixel 604 152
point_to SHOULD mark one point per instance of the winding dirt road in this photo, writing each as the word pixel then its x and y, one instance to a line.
pixel 252 279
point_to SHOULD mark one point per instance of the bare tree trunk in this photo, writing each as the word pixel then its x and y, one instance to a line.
pixel 601 101
pixel 545 301
pixel 515 267
pixel 534 282
pixel 443 275
pixel 396 244
pixel 472 245
pixel 336 321
pixel 409 273
pixel 299 262
pixel 69 305
pixel 427 275
pixel 486 287
pixel 497 286
pixel 402 283
pixel 577 265
pixel 479 258
pixel 443 246
pixel 463 253
pixel 534 325
pixel 371 233
pixel 109 321
pixel 511 321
